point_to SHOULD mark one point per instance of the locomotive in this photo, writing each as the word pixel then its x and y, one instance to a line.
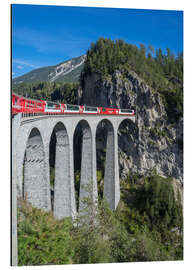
pixel 26 105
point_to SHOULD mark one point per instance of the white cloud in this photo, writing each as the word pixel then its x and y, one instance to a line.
pixel 22 62
pixel 19 67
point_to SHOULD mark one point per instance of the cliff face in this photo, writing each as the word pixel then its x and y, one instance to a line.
pixel 152 142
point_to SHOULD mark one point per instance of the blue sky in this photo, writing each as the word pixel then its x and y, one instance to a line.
pixel 48 35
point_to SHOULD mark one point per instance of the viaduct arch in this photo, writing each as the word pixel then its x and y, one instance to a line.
pixel 30 161
pixel 34 186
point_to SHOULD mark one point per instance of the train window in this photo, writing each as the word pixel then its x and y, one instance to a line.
pixel 16 99
pixel 126 111
pixel 52 105
pixel 103 109
pixel 90 109
pixel 72 107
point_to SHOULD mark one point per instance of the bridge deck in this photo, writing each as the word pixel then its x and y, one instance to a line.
pixel 26 119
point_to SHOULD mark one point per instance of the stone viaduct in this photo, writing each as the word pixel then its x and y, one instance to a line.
pixel 30 163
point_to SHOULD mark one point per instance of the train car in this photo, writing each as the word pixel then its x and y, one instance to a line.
pixel 90 110
pixel 68 108
pixel 77 109
pixel 116 111
pixel 126 112
pixel 103 110
pixel 34 106
pixel 26 105
pixel 16 105
pixel 52 107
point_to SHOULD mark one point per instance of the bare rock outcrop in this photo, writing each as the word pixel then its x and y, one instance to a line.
pixel 152 143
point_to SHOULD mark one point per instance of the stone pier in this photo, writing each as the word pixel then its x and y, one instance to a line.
pixel 30 163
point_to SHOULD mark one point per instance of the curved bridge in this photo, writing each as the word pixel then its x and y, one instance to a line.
pixel 31 138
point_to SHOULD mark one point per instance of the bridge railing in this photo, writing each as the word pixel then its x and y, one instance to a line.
pixel 24 114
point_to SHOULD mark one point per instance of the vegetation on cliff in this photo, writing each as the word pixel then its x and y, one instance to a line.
pixel 164 73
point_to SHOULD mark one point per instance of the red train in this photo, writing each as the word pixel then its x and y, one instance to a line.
pixel 26 105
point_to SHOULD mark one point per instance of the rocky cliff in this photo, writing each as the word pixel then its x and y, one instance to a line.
pixel 153 142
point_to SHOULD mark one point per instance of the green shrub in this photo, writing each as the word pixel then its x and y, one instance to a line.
pixel 157 199
pixel 41 239
pixel 146 226
pixel 150 208
pixel 100 183
pixel 90 239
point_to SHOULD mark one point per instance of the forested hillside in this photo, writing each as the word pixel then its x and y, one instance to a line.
pixel 52 91
pixel 164 73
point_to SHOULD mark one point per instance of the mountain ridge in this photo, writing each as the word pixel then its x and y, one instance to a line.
pixel 67 71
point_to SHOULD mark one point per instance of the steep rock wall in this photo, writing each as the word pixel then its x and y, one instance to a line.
pixel 152 142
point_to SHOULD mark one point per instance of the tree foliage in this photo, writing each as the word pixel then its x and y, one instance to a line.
pixel 56 91
pixel 145 227
pixel 41 239
pixel 163 72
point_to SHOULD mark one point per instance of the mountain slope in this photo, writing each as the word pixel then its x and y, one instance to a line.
pixel 68 71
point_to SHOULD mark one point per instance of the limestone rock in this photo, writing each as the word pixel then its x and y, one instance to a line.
pixel 152 142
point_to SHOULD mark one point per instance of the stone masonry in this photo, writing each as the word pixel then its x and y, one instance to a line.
pixel 111 181
pixel 34 186
pixel 30 162
pixel 62 173
pixel 32 156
